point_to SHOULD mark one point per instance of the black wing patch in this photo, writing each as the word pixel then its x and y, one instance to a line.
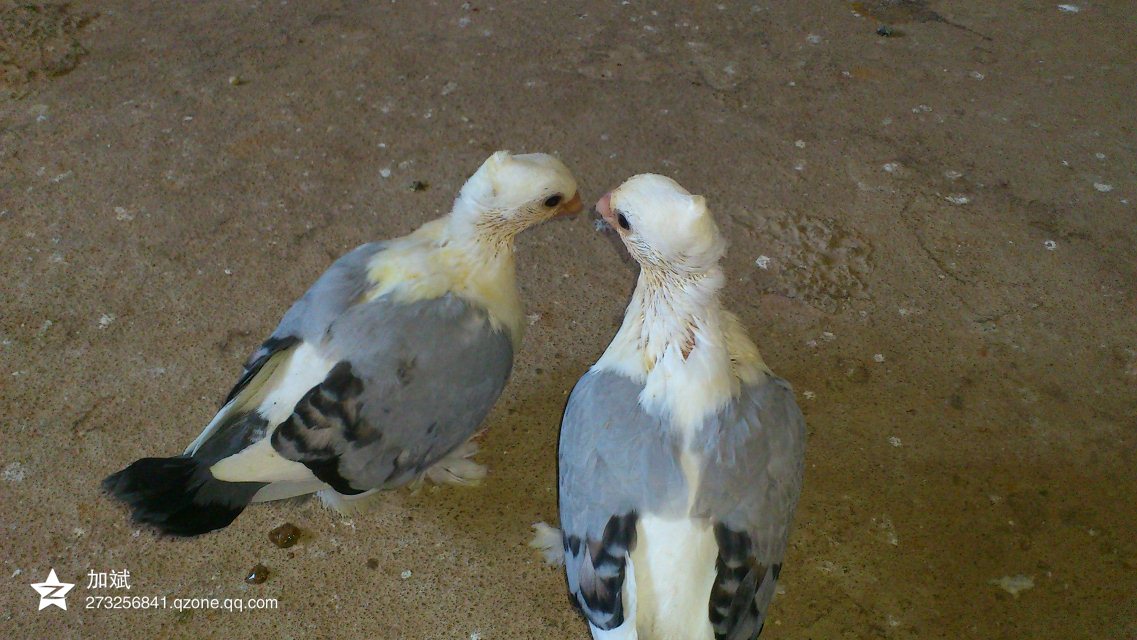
pixel 323 424
pixel 601 571
pixel 253 365
pixel 736 612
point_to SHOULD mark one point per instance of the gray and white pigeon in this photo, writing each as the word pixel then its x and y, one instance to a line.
pixel 378 375
pixel 681 453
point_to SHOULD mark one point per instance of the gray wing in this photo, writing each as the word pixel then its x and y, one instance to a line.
pixel 616 463
pixel 412 383
pixel 310 316
pixel 237 424
pixel 755 452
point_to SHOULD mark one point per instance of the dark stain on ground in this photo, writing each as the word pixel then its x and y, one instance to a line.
pixel 258 574
pixel 890 12
pixel 39 41
pixel 285 535
pixel 897 11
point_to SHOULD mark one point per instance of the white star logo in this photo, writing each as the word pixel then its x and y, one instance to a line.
pixel 51 592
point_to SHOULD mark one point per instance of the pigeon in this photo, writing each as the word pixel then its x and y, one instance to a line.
pixel 681 453
pixel 378 376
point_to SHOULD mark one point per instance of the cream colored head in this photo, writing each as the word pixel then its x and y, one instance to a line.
pixel 509 194
pixel 663 226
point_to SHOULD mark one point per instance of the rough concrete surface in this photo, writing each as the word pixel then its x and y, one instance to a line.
pixel 932 236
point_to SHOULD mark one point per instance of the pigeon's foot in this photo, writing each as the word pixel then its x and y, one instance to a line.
pixel 348 505
pixel 457 468
pixel 548 542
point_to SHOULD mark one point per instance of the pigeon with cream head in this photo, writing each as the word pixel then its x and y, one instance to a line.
pixel 681 453
pixel 378 375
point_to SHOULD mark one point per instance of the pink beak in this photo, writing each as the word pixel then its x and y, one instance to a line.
pixel 604 208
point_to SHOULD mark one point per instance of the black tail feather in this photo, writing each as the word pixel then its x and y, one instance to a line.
pixel 179 496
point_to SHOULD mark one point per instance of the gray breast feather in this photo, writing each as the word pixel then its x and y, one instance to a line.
pixel 413 381
pixel 618 463
pixel 614 457
pixel 754 453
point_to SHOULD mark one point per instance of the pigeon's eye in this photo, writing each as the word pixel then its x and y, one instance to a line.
pixel 623 222
pixel 553 201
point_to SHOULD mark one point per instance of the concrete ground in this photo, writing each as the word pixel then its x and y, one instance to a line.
pixel 932 236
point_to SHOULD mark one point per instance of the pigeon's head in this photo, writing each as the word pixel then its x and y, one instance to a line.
pixel 665 228
pixel 509 193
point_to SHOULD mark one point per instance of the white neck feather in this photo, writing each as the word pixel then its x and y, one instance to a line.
pixel 689 352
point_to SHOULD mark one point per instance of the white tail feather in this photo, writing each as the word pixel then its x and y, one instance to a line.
pixel 285 490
